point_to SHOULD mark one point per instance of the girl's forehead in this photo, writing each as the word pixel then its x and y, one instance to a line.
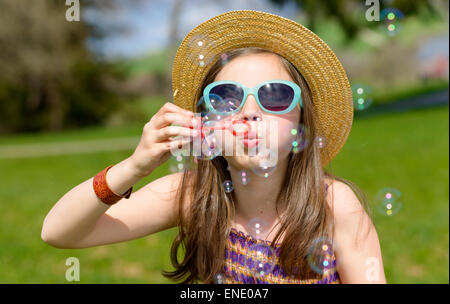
pixel 253 69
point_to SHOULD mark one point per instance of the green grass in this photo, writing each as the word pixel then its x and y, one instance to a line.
pixel 145 106
pixel 408 151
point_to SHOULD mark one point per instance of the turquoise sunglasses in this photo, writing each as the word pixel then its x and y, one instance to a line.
pixel 273 96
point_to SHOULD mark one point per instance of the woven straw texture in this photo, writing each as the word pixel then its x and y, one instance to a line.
pixel 330 88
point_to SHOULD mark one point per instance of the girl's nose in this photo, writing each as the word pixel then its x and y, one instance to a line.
pixel 251 111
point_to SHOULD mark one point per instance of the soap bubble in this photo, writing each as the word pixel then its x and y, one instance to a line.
pixel 320 141
pixel 197 50
pixel 244 177
pixel 391 18
pixel 210 118
pixel 173 165
pixel 228 186
pixel 321 256
pixel 389 201
pixel 262 259
pixel 206 146
pixel 210 148
pixel 257 227
pixel 299 138
pixel 178 163
pixel 224 58
pixel 264 171
pixel 223 106
pixel 362 96
pixel 219 278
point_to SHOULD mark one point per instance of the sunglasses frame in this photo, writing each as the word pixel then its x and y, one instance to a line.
pixel 254 91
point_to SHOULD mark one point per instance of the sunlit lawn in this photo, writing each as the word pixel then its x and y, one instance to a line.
pixel 408 151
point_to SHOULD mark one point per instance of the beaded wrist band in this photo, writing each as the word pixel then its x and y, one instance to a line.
pixel 102 190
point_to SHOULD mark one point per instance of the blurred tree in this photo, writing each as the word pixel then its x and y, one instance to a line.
pixel 350 14
pixel 50 79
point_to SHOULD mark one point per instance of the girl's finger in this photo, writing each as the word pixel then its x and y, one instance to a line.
pixel 172 131
pixel 169 107
pixel 174 118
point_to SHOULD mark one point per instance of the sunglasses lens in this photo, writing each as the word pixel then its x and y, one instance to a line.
pixel 276 97
pixel 226 97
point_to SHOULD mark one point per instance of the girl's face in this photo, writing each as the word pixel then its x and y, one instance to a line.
pixel 272 130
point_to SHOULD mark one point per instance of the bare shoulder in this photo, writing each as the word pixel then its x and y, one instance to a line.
pixel 349 215
pixel 342 199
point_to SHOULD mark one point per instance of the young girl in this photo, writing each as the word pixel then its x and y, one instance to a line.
pixel 239 221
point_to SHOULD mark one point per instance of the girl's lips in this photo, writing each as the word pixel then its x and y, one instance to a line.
pixel 250 143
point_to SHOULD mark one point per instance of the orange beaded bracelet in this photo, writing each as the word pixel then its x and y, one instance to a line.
pixel 102 190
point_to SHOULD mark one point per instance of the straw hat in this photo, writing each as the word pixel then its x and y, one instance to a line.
pixel 330 88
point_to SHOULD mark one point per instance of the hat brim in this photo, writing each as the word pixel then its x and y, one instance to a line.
pixel 326 78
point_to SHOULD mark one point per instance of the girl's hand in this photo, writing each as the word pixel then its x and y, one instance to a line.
pixel 157 138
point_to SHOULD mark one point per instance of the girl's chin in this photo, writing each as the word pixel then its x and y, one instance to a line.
pixel 249 163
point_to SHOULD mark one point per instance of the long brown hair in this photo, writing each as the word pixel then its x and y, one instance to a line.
pixel 303 210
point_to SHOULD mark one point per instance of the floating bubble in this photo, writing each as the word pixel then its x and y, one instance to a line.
pixel 389 201
pixel 178 163
pixel 244 177
pixel 210 148
pixel 257 227
pixel 219 278
pixel 320 141
pixel 197 50
pixel 264 171
pixel 212 122
pixel 210 118
pixel 173 165
pixel 224 106
pixel 391 18
pixel 228 186
pixel 262 259
pixel 224 58
pixel 201 106
pixel 299 138
pixel 321 256
pixel 362 96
